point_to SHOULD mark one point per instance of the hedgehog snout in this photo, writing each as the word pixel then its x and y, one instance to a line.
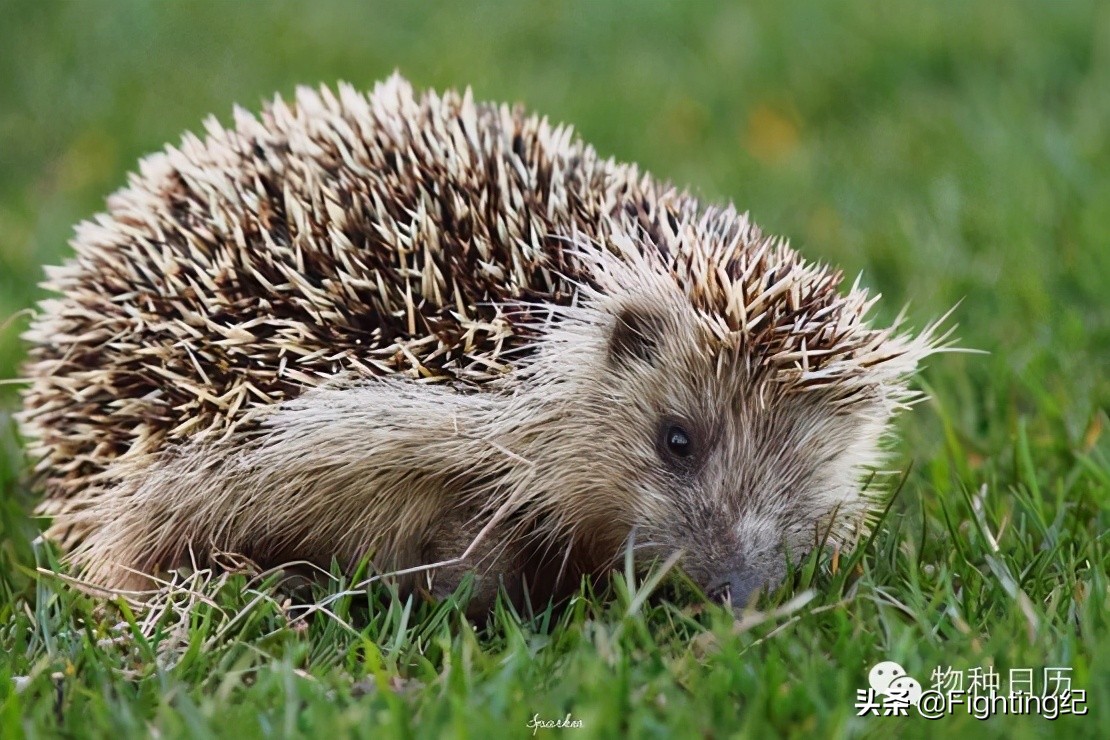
pixel 735 584
pixel 736 558
pixel 739 578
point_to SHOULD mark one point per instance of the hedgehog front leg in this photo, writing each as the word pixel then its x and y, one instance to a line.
pixel 493 557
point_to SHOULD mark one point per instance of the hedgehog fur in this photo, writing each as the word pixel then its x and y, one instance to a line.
pixel 428 331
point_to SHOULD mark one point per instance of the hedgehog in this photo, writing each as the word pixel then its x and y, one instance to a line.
pixel 447 339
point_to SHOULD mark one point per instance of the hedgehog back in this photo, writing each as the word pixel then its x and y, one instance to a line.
pixel 340 234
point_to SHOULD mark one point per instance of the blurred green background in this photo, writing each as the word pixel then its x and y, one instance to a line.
pixel 949 150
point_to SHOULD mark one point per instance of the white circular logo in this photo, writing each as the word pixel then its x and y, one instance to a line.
pixel 883 674
pixel 890 680
pixel 905 688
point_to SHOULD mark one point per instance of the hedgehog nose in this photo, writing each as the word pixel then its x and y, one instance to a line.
pixel 735 586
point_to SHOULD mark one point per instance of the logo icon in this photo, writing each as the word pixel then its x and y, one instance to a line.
pixel 888 679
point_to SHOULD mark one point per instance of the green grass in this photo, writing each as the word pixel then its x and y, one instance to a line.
pixel 952 151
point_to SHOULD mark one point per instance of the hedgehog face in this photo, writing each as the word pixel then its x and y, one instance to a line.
pixel 723 461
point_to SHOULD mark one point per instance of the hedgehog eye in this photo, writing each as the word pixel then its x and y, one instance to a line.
pixel 677 442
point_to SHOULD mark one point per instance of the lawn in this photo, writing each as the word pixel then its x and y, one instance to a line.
pixel 952 152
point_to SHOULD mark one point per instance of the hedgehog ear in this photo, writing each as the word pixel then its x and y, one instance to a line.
pixel 636 335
